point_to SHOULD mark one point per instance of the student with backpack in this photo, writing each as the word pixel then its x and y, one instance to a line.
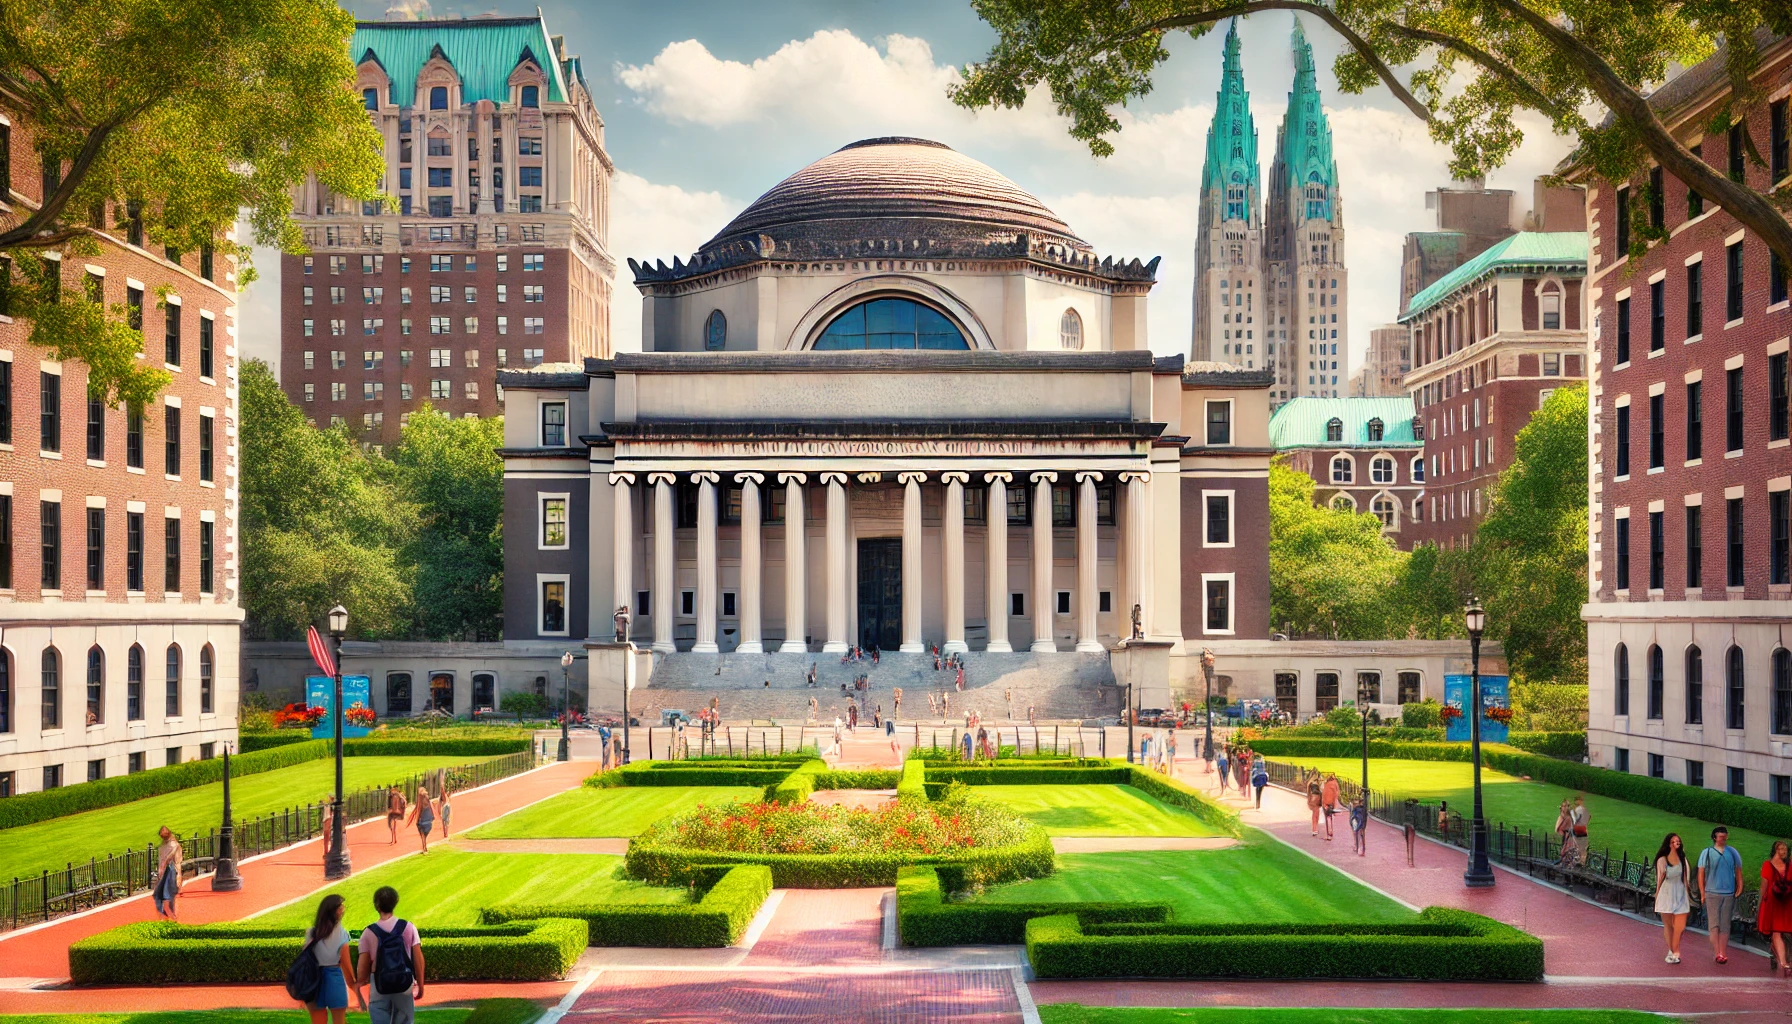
pixel 392 963
pixel 323 973
pixel 1259 779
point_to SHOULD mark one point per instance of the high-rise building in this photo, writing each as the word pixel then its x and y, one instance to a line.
pixel 497 253
pixel 1303 247
pixel 1385 368
pixel 1470 217
pixel 1229 307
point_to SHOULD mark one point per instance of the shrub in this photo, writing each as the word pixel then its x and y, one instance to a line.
pixel 1032 858
pixel 685 773
pixel 1037 774
pixel 729 898
pixel 1444 945
pixel 167 953
pixel 524 704
pixel 925 918
pixel 1420 715
pixel 867 778
pixel 913 784
pixel 445 746
pixel 1550 707
pixel 1571 746
pixel 795 787
pixel 250 742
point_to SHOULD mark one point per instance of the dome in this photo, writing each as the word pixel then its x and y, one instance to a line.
pixel 913 190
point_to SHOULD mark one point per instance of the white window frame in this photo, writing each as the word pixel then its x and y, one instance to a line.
pixel 1231 518
pixel 541 520
pixel 1393 479
pixel 1331 469
pixel 1231 422
pixel 542 579
pixel 1231 581
pixel 541 410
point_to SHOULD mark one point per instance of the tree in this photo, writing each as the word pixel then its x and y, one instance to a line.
pixel 1582 64
pixel 175 115
pixel 451 470
pixel 1330 570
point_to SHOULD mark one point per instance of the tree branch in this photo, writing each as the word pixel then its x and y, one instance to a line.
pixel 25 235
pixel 1532 95
pixel 1750 208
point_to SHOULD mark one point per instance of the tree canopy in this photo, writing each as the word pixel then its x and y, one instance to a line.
pixel 1330 570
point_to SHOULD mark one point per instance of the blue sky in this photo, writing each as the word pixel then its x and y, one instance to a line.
pixel 708 104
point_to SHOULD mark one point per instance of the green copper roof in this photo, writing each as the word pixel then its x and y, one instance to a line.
pixel 1527 248
pixel 484 51
pixel 1304 142
pixel 1232 136
pixel 1302 423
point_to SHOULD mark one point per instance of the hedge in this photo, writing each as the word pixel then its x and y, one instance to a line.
pixel 913 784
pixel 865 778
pixel 168 953
pixel 28 808
pixel 250 742
pixel 472 746
pixel 1097 773
pixel 1445 945
pixel 925 918
pixel 1177 794
pixel 733 895
pixel 675 773
pixel 1029 859
pixel 1570 746
pixel 1677 798
pixel 795 787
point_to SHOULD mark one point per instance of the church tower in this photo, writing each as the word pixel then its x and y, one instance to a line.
pixel 1303 248
pixel 1228 295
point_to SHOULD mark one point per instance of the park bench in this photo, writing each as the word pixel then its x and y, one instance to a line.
pixel 89 896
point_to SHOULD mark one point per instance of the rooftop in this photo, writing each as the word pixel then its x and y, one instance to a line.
pixel 1559 249
pixel 1302 423
pixel 484 52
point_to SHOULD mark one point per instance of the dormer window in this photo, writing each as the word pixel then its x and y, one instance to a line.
pixel 531 96
pixel 370 98
pixel 1334 430
pixel 438 97
pixel 1375 430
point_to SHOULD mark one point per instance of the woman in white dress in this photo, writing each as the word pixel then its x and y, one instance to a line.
pixel 1671 900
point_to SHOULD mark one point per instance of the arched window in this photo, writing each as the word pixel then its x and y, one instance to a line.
pixel 1418 469
pixel 1315 194
pixel 1657 682
pixel 1343 503
pixel 1621 684
pixel 890 323
pixel 370 98
pixel 1381 470
pixel 1334 429
pixel 1733 690
pixel 715 331
pixel 5 691
pixel 1549 302
pixel 1695 685
pixel 96 685
pixel 531 96
pixel 206 665
pixel 1386 511
pixel 1375 429
pixel 1343 469
pixel 50 670
pixel 133 684
pixel 438 97
pixel 1782 691
pixel 1070 330
pixel 172 693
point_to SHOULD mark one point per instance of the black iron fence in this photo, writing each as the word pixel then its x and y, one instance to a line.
pixel 102 880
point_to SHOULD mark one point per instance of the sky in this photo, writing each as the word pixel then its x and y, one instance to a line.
pixel 708 104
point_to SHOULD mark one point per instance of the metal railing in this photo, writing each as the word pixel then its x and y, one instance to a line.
pixel 102 880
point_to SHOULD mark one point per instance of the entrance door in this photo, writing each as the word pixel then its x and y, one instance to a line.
pixel 441 692
pixel 880 594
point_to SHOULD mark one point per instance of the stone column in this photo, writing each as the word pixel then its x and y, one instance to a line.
pixel 952 549
pixel 482 134
pixel 750 642
pixel 1043 609
pixel 796 577
pixel 622 550
pixel 836 547
pixel 911 561
pixel 1087 636
pixel 995 553
pixel 665 590
pixel 1138 545
pixel 706 563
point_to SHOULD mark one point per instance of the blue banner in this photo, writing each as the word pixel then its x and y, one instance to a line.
pixel 356 693
pixel 1458 694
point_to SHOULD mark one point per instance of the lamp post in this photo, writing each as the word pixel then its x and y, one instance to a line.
pixel 1479 874
pixel 565 706
pixel 628 671
pixel 1130 718
pixel 1207 708
pixel 336 863
pixel 1362 708
pixel 224 874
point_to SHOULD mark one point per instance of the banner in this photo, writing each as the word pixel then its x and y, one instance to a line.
pixel 356 693
pixel 320 652
pixel 1459 694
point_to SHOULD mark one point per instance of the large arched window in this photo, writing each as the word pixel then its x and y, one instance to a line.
pixel 5 691
pixel 172 693
pixel 893 323
pixel 715 331
pixel 51 688
pixel 438 97
pixel 531 96
pixel 1621 681
pixel 1334 430
pixel 96 685
pixel 1734 718
pixel 1343 469
pixel 1070 330
pixel 1657 682
pixel 1695 685
pixel 133 683
pixel 206 668
pixel 1782 691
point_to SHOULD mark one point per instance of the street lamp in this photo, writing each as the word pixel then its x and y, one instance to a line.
pixel 1362 708
pixel 565 706
pixel 1207 708
pixel 1479 874
pixel 224 874
pixel 336 864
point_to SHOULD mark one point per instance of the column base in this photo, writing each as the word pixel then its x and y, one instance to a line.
pixel 998 647
pixel 750 647
pixel 1043 646
pixel 834 647
pixel 912 649
pixel 664 647
pixel 793 647
pixel 1090 646
pixel 705 647
pixel 956 647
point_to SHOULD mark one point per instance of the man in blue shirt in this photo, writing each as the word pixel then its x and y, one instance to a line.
pixel 1720 880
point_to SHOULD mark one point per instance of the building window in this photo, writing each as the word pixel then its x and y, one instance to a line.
pixel 1733 282
pixel 1410 688
pixel 1621 681
pixel 1737 782
pixel 1325 691
pixel 1417 469
pixel 1733 689
pixel 1658 316
pixel 96 686
pixel 1621 542
pixel 96 549
pixel 531 96
pixel 1695 421
pixel 1070 333
pixel 553 424
pixel 1550 303
pixel 438 99
pixel 1621 451
pixel 1779 397
pixel 1104 504
pixel 1020 507
pixel 1219 422
pixel 1733 409
pixel 133 551
pixel 1063 505
pixel 715 331
pixel 1733 540
pixel 1657 551
pixel 133 683
pixel 1657 431
pixel 50 411
pixel 1217 597
pixel 171 335
pixel 206 530
pixel 5 687
pixel 1343 469
pixel 206 671
pixel 553 606
pixel 171 683
pixel 1658 766
pixel 1621 218
pixel 1695 685
pixel 1782 691
pixel 1779 532
pixel 171 440
pixel 206 351
pixel 1381 470
pixel 171 555
pixel 1219 519
pixel 1657 682
pixel 1695 299
pixel 1623 344
pixel 50 687
pixel 1334 430
pixel 50 523
pixel 398 694
pixel 890 323
pixel 1385 510
pixel 553 522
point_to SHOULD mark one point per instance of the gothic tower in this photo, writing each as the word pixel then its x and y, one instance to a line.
pixel 1229 306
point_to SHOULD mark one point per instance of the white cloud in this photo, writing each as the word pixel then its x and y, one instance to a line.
pixel 649 221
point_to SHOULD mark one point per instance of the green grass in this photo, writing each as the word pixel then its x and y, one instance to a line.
pixel 1097 811
pixel 587 813
pixel 489 1011
pixel 52 844
pixel 1073 1013
pixel 1260 879
pixel 1616 824
pixel 448 887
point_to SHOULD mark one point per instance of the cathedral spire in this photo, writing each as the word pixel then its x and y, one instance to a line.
pixel 1304 143
pixel 1232 136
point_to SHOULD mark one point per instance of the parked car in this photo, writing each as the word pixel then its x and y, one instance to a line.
pixel 672 716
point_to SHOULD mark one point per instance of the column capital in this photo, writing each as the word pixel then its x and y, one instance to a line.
pixel 911 477
pixel 832 478
pixel 662 478
pixel 1086 476
pixel 705 477
pixel 1128 476
pixel 955 476
pixel 990 478
pixel 1045 477
pixel 622 478
pixel 869 477
pixel 750 478
pixel 799 478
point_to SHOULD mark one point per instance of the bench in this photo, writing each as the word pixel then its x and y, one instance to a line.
pixel 90 895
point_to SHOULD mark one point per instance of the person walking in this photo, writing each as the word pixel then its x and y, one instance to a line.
pixel 1315 800
pixel 839 739
pixel 392 963
pixel 327 814
pixel 328 941
pixel 1328 799
pixel 1145 749
pixel 1170 754
pixel 1359 825
pixel 968 739
pixel 446 810
pixel 1221 762
pixel 1565 833
pixel 603 747
pixel 423 816
pixel 1579 817
pixel 168 865
pixel 1720 882
pixel 1671 900
pixel 1775 918
pixel 1259 779
pixel 395 807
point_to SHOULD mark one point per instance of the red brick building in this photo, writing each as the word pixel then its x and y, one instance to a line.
pixel 1691 476
pixel 1362 454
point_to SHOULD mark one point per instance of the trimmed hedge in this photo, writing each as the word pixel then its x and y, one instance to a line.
pixel 1570 746
pixel 1030 859
pixel 795 787
pixel 865 778
pixel 250 742
pixel 43 805
pixel 471 746
pixel 1444 945
pixel 1096 773
pixel 1176 794
pixel 168 953
pixel 719 918
pixel 925 918
pixel 677 773
pixel 913 784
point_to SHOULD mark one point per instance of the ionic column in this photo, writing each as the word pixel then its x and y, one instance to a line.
pixel 749 563
pixel 706 563
pixel 1042 562
pixel 995 541
pixel 1138 542
pixel 911 561
pixel 836 547
pixel 663 587
pixel 952 547
pixel 796 578
pixel 622 551
pixel 1087 638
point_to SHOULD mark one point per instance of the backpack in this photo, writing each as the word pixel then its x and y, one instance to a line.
pixel 392 972
pixel 305 977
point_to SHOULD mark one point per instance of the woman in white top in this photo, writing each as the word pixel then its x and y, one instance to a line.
pixel 329 943
pixel 1671 900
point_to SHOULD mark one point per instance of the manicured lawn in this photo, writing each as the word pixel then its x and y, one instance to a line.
pixel 1097 811
pixel 1072 1013
pixel 449 887
pixel 488 1011
pixel 52 844
pixel 587 813
pixel 1617 824
pixel 1257 880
